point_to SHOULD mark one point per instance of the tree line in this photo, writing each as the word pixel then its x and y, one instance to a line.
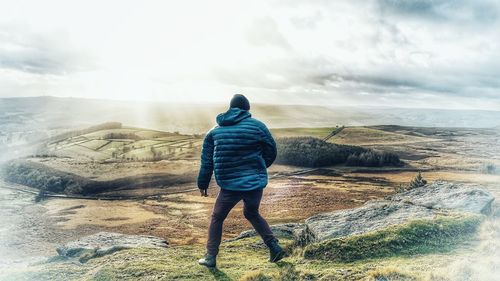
pixel 314 152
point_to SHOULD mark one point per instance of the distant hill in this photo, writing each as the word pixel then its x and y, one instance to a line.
pixel 25 121
pixel 52 113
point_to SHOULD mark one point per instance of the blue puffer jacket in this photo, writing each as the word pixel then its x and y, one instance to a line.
pixel 238 151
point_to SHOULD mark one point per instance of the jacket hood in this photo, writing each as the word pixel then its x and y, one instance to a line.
pixel 232 116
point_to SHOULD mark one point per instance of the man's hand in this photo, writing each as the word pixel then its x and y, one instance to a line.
pixel 204 192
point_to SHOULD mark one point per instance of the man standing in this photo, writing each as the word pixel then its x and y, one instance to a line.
pixel 238 151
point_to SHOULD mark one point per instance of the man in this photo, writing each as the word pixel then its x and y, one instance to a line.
pixel 238 151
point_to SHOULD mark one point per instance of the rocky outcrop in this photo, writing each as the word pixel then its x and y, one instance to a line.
pixel 374 215
pixel 395 225
pixel 448 195
pixel 104 243
pixel 421 203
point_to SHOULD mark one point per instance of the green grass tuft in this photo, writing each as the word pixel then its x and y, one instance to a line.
pixel 288 273
pixel 390 274
pixel 416 237
pixel 255 276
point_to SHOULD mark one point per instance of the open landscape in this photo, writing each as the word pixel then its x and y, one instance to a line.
pixel 122 179
pixel 116 116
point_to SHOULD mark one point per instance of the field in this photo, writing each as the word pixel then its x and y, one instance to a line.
pixel 125 144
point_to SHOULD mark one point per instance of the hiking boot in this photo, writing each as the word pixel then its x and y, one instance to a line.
pixel 208 261
pixel 276 253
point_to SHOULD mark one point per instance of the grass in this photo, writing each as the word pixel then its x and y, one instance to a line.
pixel 371 136
pixel 237 259
pixel 396 253
pixel 416 237
pixel 255 276
pixel 390 274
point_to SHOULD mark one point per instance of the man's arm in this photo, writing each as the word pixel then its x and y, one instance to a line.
pixel 207 162
pixel 268 146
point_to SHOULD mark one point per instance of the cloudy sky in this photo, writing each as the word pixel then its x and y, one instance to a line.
pixel 403 53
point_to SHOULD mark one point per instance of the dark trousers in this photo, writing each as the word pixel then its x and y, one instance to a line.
pixel 226 200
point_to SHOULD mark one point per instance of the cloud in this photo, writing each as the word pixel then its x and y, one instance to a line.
pixel 264 32
pixel 313 51
pixel 307 21
pixel 48 53
pixel 376 47
pixel 473 11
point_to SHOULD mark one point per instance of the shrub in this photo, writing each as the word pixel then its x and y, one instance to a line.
pixel 42 195
pixel 416 182
pixel 44 178
pixel 128 136
pixel 372 158
pixel 314 152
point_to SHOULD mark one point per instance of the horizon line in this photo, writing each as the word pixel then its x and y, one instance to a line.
pixel 146 101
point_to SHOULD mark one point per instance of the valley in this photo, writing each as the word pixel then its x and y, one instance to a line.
pixel 159 196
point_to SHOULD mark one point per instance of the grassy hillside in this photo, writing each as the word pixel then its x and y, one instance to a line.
pixel 361 135
pixel 374 136
pixel 51 180
pixel 124 144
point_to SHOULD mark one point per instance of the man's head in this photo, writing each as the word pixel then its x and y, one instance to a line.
pixel 240 101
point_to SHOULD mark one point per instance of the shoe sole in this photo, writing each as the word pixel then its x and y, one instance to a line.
pixel 279 257
pixel 206 265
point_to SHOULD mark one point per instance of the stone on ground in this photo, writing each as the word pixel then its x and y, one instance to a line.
pixel 104 243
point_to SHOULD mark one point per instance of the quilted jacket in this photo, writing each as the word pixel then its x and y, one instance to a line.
pixel 238 151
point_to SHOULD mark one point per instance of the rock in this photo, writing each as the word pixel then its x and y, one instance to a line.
pixel 437 198
pixel 104 243
pixel 374 215
pixel 448 195
pixel 421 203
pixel 286 230
pixel 495 210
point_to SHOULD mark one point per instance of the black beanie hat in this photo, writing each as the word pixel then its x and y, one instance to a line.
pixel 240 101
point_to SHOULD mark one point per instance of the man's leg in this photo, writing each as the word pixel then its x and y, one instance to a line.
pixel 225 201
pixel 251 211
